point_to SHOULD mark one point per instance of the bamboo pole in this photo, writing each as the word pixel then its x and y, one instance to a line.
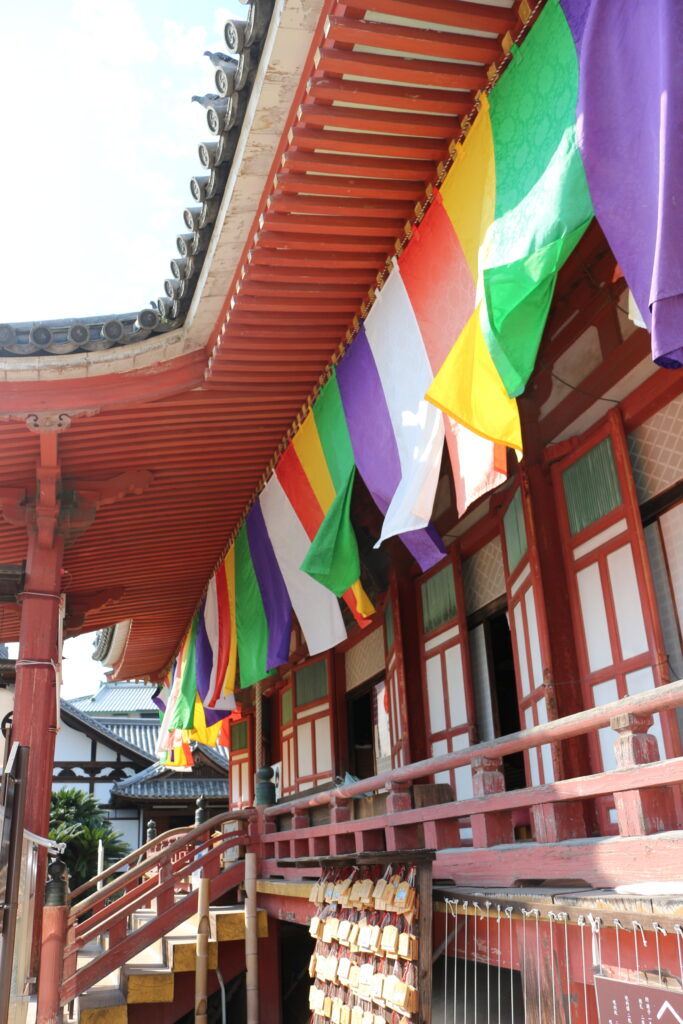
pixel 251 938
pixel 201 971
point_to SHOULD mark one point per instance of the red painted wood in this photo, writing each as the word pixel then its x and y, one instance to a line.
pixel 409 39
pixel 451 13
pixel 640 811
pixel 491 827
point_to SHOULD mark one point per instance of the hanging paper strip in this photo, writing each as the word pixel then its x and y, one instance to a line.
pixel 316 608
pixel 518 200
pixel 441 291
pixel 405 374
pixel 316 474
pixel 374 442
pixel 630 112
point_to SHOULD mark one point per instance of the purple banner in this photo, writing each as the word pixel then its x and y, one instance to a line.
pixel 274 594
pixel 630 130
pixel 374 444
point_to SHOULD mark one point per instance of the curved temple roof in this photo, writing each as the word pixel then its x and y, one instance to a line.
pixel 346 121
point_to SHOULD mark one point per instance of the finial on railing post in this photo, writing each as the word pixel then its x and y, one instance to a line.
pixel 265 787
pixel 200 812
pixel 53 942
pixel 57 885
pixel 151 830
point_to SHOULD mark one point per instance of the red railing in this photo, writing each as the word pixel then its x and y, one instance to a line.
pixel 645 791
pixel 162 870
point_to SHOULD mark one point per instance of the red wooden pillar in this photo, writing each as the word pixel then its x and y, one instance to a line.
pixel 563 691
pixel 35 699
pixel 270 989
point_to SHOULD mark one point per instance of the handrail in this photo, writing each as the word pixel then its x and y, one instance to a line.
pixel 107 916
pixel 128 876
pixel 182 830
pixel 661 698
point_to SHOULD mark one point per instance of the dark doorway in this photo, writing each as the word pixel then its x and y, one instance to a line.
pixel 504 694
pixel 360 717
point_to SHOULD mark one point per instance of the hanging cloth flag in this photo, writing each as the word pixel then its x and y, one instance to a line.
pixel 441 289
pixel 206 653
pixel 221 687
pixel 316 473
pixel 180 710
pixel 405 374
pixel 518 199
pixel 468 386
pixel 374 443
pixel 542 202
pixel 630 70
pixel 263 629
pixel 203 731
pixel 316 608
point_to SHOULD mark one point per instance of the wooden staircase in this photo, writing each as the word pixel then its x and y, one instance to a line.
pixel 162 976
pixel 133 940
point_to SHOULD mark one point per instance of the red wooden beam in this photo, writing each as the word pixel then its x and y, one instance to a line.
pixel 282 258
pixel 335 243
pixel 358 166
pixel 311 275
pixel 377 94
pixel 439 74
pixel 412 40
pixel 314 224
pixel 334 207
pixel 369 119
pixel 451 13
pixel 365 144
pixel 355 188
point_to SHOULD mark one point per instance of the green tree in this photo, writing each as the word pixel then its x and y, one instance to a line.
pixel 76 819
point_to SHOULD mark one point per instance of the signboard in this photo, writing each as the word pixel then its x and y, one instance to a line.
pixel 625 1002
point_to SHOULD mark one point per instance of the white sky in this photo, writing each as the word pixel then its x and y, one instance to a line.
pixel 98 142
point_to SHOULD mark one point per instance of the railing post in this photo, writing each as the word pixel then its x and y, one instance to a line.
pixel 151 830
pixel 55 916
pixel 251 938
pixel 202 953
pixel 640 812
pixel 490 828
pixel 340 812
pixel 401 837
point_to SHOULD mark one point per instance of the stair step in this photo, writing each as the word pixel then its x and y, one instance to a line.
pixel 147 979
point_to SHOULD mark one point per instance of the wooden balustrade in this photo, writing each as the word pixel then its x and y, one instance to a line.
pixel 642 787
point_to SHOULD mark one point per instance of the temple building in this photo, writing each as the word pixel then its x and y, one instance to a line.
pixel 385 495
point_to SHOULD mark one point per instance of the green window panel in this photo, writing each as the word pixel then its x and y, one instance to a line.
pixel 287 706
pixel 438 599
pixel 389 626
pixel 591 487
pixel 239 736
pixel 515 531
pixel 311 683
